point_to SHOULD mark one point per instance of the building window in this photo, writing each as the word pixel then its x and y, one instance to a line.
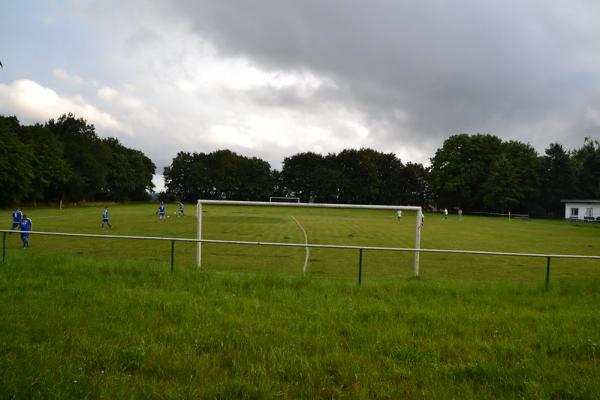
pixel 589 212
pixel 574 212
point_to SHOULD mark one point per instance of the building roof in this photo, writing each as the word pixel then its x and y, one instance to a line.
pixel 581 201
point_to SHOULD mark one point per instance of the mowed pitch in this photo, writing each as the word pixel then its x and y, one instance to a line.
pixel 324 226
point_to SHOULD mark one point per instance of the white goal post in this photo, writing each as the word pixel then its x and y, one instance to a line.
pixel 277 199
pixel 418 225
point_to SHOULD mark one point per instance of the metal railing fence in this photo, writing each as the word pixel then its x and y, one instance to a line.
pixel 548 257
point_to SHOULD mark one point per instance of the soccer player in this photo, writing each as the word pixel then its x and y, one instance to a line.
pixel 17 216
pixel 445 213
pixel 25 229
pixel 105 219
pixel 162 210
pixel 460 213
pixel 180 205
pixel 399 215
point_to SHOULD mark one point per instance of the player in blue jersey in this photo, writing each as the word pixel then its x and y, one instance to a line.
pixel 105 219
pixel 162 211
pixel 25 229
pixel 17 216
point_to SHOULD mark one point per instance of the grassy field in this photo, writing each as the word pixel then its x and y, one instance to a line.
pixel 326 226
pixel 85 318
pixel 89 329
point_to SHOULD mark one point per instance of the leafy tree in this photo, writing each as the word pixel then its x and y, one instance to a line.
pixel 183 178
pixel 309 176
pixel 501 189
pixel 558 180
pixel 88 156
pixel 15 163
pixel 50 171
pixel 587 163
pixel 359 183
pixel 222 174
pixel 130 173
pixel 524 163
pixel 460 168
pixel 415 186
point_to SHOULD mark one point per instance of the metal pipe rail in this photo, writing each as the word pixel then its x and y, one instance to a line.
pixel 313 245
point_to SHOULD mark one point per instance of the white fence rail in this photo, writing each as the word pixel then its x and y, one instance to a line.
pixel 304 245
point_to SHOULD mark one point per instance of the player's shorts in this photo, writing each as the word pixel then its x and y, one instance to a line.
pixel 15 225
pixel 161 215
pixel 104 219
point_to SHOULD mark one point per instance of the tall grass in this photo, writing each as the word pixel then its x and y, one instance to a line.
pixel 73 327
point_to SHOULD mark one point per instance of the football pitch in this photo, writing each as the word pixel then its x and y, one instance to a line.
pixel 105 318
pixel 351 227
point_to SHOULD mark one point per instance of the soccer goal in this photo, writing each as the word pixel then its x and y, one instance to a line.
pixel 275 199
pixel 417 209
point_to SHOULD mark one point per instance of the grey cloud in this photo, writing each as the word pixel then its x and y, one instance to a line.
pixel 496 67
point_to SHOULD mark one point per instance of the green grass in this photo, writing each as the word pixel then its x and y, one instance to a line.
pixel 326 226
pixel 89 318
pixel 89 329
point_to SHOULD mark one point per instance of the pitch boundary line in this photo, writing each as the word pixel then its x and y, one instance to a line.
pixel 62 216
pixel 307 254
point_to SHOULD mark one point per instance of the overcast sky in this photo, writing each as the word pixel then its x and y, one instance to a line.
pixel 271 78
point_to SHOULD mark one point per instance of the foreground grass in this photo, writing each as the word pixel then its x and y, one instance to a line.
pixel 75 328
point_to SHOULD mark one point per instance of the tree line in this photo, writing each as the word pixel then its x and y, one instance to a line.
pixel 64 159
pixel 351 176
pixel 471 172
pixel 484 173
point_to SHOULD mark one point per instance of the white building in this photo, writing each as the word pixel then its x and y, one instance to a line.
pixel 583 210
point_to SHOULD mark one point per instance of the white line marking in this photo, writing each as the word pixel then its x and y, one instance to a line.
pixel 307 255
pixel 62 216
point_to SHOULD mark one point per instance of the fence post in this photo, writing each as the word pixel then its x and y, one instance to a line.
pixel 547 272
pixel 172 255
pixel 3 246
pixel 360 266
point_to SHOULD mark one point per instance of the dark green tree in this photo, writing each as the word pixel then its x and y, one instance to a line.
pixel 50 170
pixel 414 184
pixel 130 173
pixel 587 164
pixel 460 168
pixel 222 174
pixel 558 179
pixel 359 177
pixel 15 163
pixel 525 164
pixel 501 189
pixel 88 156
pixel 309 176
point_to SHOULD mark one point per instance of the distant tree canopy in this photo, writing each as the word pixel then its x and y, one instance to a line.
pixel 65 159
pixel 222 174
pixel 472 172
pixel 362 176
pixel 352 176
pixel 481 172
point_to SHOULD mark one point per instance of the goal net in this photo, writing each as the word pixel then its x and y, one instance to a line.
pixel 275 199
pixel 341 225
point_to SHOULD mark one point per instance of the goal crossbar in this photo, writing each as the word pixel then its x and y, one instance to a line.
pixel 418 224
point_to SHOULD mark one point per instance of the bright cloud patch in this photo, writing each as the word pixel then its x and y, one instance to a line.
pixel 27 98
pixel 66 77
